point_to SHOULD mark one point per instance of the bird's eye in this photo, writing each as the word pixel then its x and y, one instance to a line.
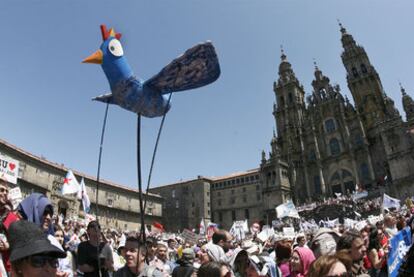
pixel 115 48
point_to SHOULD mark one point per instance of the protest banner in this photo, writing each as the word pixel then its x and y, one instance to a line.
pixel 331 223
pixel 389 202
pixel 308 226
pixel 189 236
pixel 359 195
pixel 350 223
pixel 360 225
pixel 9 168
pixel 374 219
pixel 15 197
pixel 400 244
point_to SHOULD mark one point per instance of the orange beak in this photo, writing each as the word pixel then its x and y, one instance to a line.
pixel 96 57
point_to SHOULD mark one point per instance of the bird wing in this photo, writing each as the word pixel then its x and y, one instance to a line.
pixel 197 67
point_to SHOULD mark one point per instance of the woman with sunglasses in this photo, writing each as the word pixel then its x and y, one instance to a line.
pixel 31 253
pixel 377 255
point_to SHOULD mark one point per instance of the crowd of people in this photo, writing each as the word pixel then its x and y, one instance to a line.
pixel 347 206
pixel 35 243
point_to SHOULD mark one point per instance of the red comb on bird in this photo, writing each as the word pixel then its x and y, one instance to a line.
pixel 111 33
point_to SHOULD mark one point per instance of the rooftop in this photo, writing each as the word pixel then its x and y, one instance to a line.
pixel 63 168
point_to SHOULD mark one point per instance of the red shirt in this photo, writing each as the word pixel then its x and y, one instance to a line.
pixel 7 221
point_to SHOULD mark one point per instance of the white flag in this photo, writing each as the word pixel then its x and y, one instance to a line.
pixel 70 184
pixel 389 202
pixel 83 195
pixel 202 227
pixel 287 210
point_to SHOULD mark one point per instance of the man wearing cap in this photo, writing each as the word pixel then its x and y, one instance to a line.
pixel 31 253
pixel 88 260
pixel 185 268
pixel 135 261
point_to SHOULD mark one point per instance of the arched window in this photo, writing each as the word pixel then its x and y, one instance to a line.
pixel 363 68
pixel 335 177
pixel 364 171
pixel 282 101
pixel 317 184
pixel 334 147
pixel 359 141
pixel 330 125
pixel 355 72
pixel 312 155
pixel 346 173
pixel 290 97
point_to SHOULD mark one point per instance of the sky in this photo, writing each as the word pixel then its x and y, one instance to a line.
pixel 212 131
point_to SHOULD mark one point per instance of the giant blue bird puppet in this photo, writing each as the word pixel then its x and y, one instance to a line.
pixel 197 67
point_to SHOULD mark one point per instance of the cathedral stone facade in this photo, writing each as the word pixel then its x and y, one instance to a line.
pixel 324 145
pixel 331 145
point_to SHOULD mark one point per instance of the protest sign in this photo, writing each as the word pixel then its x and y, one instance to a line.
pixel 360 225
pixel 9 168
pixel 189 236
pixel 15 197
pixel 287 209
pixel 389 202
pixel 360 195
pixel 331 223
pixel 266 233
pixel 350 223
pixel 211 228
pixel 308 226
pixel 400 244
pixel 277 223
pixel 374 219
pixel 289 231
pixel 239 229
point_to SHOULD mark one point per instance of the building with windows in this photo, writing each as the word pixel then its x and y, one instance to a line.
pixel 185 204
pixel 237 196
pixel 331 145
pixel 118 205
pixel 251 195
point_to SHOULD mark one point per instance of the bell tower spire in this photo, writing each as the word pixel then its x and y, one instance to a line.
pixel 364 82
pixel 290 105
pixel 408 105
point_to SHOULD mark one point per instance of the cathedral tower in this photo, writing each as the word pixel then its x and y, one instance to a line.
pixel 364 83
pixel 289 108
pixel 289 112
